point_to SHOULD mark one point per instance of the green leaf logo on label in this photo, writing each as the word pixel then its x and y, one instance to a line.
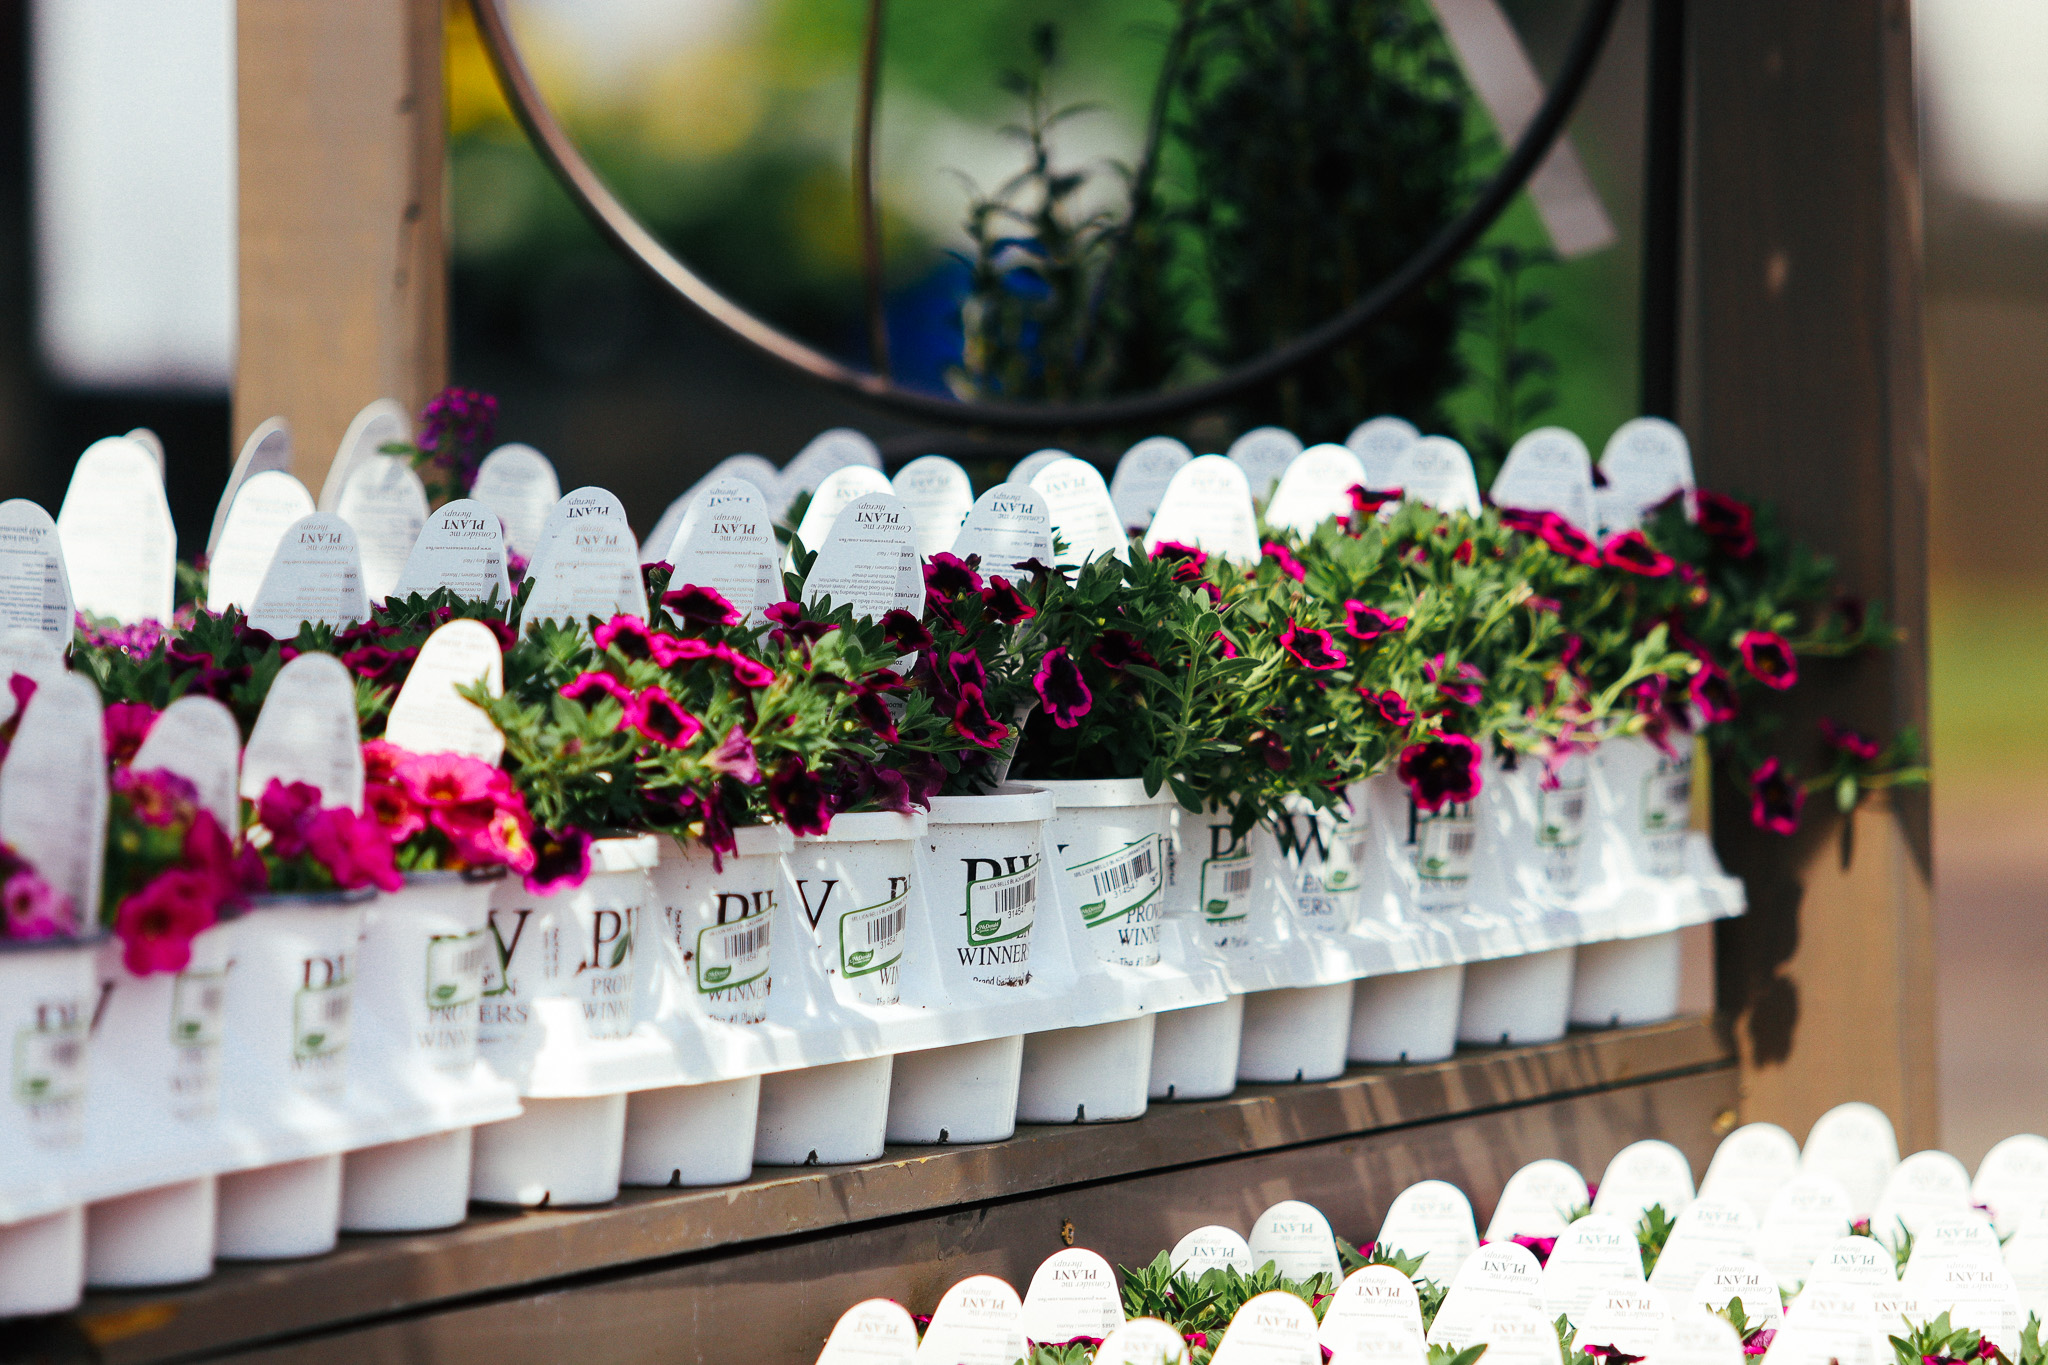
pixel 986 927
pixel 1217 907
pixel 1434 864
pixel 714 975
pixel 312 1041
pixel 188 1028
pixel 444 990
pixel 619 953
pixel 856 961
pixel 1338 878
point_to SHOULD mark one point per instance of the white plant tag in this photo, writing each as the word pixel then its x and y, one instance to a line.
pixel 751 469
pixel 1207 1248
pixel 268 447
pixel 1921 1190
pixel 1811 1340
pixel 1641 1174
pixel 1742 1278
pixel 429 715
pixel 1431 1219
pixel 872 1332
pixel 1518 1336
pixel 1693 1336
pixel 827 451
pixel 306 732
pixel 1297 1239
pixel 1271 1329
pixel 939 495
pixel 1378 442
pixel 2026 1257
pixel 1316 488
pixel 1969 1237
pixel 1855 1144
pixel 1500 1275
pixel 53 791
pixel 1709 1232
pixel 1143 1341
pixel 150 442
pixel 1628 1319
pixel 1209 506
pixel 2012 1181
pixel 1073 1294
pixel 1645 461
pixel 840 488
pixel 1009 525
pixel 1264 453
pixel 1437 472
pixel 725 539
pixel 1977 1291
pixel 30 653
pixel 380 423
pixel 1751 1165
pixel 1139 484
pixel 587 564
pixel 1853 1263
pixel 462 548
pixel 120 547
pixel 1806 1217
pixel 35 589
pixel 1025 469
pixel 869 559
pixel 269 504
pixel 978 1322
pixel 1596 1254
pixel 1548 470
pixel 197 738
pixel 519 484
pixel 1375 1314
pixel 1082 513
pixel 1537 1201
pixel 316 575
pixel 386 504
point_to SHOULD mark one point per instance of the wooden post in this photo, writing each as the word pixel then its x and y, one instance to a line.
pixel 1803 386
pixel 343 272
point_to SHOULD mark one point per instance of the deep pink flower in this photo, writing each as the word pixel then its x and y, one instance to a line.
pixel 390 807
pixel 561 861
pixel 1315 650
pixel 1229 648
pixel 949 575
pixel 626 633
pixel 1610 1355
pixel 158 797
pixel 1632 552
pixel 1768 658
pixel 800 798
pixel 965 669
pixel 1005 603
pixel 791 624
pixel 1728 523
pixel 1061 689
pixel 1568 540
pixel 1117 648
pixel 1268 749
pixel 873 709
pixel 903 630
pixel 127 724
pixel 1540 1247
pixel 353 848
pixel 1444 767
pixel 23 687
pixel 580 686
pixel 1712 692
pixel 157 924
pixel 1852 742
pixel 1366 502
pixel 378 664
pixel 657 715
pixel 1759 1342
pixel 700 606
pixel 1775 798
pixel 1284 557
pixel 1187 560
pixel 1463 684
pixel 444 779
pixel 1367 623
pixel 1519 519
pixel 1390 707
pixel 734 757
pixel 285 811
pixel 975 724
pixel 32 908
pixel 745 671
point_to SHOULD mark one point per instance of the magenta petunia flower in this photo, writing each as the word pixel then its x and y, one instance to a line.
pixel 1712 692
pixel 1758 1343
pixel 626 633
pixel 1540 1247
pixel 974 723
pixel 734 756
pixel 561 861
pixel 873 709
pixel 1061 689
pixel 745 671
pixel 1730 524
pixel 1632 552
pixel 1391 707
pixel 604 684
pixel 1117 648
pixel 1775 798
pixel 791 624
pixel 965 669
pixel 1368 623
pixel 802 800
pixel 1229 647
pixel 1444 767
pixel 1187 560
pixel 157 924
pixel 126 725
pixel 903 630
pixel 1527 522
pixel 1462 684
pixel 444 779
pixel 1568 540
pixel 700 606
pixel 354 849
pixel 949 575
pixel 1852 742
pixel 32 908
pixel 670 650
pixel 1366 502
pixel 1315 650
pixel 657 715
pixel 284 810
pixel 1610 1355
pixel 1284 557
pixel 1004 602
pixel 1268 749
pixel 1769 658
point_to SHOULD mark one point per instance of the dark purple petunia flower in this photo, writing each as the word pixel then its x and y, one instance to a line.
pixel 802 800
pixel 950 576
pixel 561 860
pixel 698 606
pixel 1315 650
pixel 1367 623
pixel 1462 684
pixel 1444 767
pixel 1728 523
pixel 1568 540
pixel 975 724
pixel 1850 741
pixel 1284 557
pixel 1775 798
pixel 1005 603
pixel 1061 689
pixel 734 756
pixel 1390 707
pixel 1769 658
pixel 903 630
pixel 1187 560
pixel 1632 552
pixel 1119 647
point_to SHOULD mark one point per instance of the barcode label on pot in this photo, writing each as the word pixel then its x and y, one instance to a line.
pixel 320 1020
pixel 1561 817
pixel 455 969
pixel 1443 846
pixel 1119 881
pixel 1003 907
pixel 1227 888
pixel 730 955
pixel 197 1001
pixel 871 939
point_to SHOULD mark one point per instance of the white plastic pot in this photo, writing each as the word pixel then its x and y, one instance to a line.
pixel 1646 795
pixel 1097 1074
pixel 154 1237
pixel 717 919
pixel 690 1135
pixel 1295 1035
pixel 986 855
pixel 1538 822
pixel 409 1186
pixel 42 1264
pixel 1427 856
pixel 46 993
pixel 1517 1000
pixel 1626 981
pixel 1331 848
pixel 853 890
pixel 963 1093
pixel 1407 1017
pixel 287 1211
pixel 559 1153
pixel 824 1115
pixel 1109 838
pixel 1194 1051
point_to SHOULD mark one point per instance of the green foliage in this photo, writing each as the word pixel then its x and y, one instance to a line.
pixel 1518 379
pixel 1651 1234
pixel 1448 1355
pixel 1429 1294
pixel 1208 1302
pixel 1939 1343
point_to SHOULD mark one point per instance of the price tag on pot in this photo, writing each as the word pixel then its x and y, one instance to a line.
pixel 1537 1201
pixel 316 576
pixel 1693 1336
pixel 306 732
pixel 1853 1143
pixel 1431 1219
pixel 1642 1174
pixel 1008 525
pixel 120 548
pixel 1500 1275
pixel 1082 513
pixel 264 511
pixel 380 423
pixel 1375 1313
pixel 1207 1248
pixel 870 945
pixel 462 548
pixel 1548 470
pixel 1143 1341
pixel 1223 883
pixel 53 791
pixel 724 540
pixel 1379 442
pixel 196 738
pixel 1002 905
pixel 517 482
pixel 828 451
pixel 1921 1190
pixel 587 565
pixel 430 716
pixel 1315 488
pixel 1142 474
pixel 1437 472
pixel 1264 454
pixel 1270 1329
pixel 1746 1279
pixel 1596 1254
pixel 1709 1232
pixel 939 495
pixel 1627 1319
pixel 268 447
pixel 841 488
pixel 1297 1239
pixel 386 504
pixel 1025 469
pixel 1751 1165
pixel 1645 461
pixel 1209 506
pixel 873 1332
pixel 869 559
pixel 2012 1181
pixel 1073 1294
pixel 1806 1217
pixel 978 1322
pixel 1854 1263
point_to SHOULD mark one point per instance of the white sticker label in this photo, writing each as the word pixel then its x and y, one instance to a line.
pixel 1120 893
pixel 1441 843
pixel 1002 905
pixel 871 946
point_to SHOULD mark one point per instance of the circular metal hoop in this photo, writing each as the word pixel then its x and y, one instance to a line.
pixel 618 224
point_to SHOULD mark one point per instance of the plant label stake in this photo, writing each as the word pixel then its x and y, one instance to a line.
pixel 1141 477
pixel 1272 1329
pixel 1855 1144
pixel 265 508
pixel 2012 1181
pixel 306 732
pixel 1628 1319
pixel 1645 1173
pixel 1297 1239
pixel 841 487
pixel 1437 472
pixel 1596 1254
pixel 1537 1201
pixel 1379 442
pixel 587 563
pixel 1645 461
pixel 268 447
pixel 1207 1248
pixel 120 547
pixel 1264 453
pixel 1431 1219
pixel 869 559
pixel 1375 1312
pixel 873 1332
pixel 386 504
pixel 1806 1217
pixel 723 540
pixel 1209 506
pixel 1746 1279
pixel 747 468
pixel 30 653
pixel 1548 470
pixel 827 451
pixel 196 738
pixel 1008 525
pixel 1517 1335
pixel 1315 488
pixel 1027 468
pixel 1921 1190
pixel 1073 1294
pixel 939 494
pixel 430 716
pixel 53 791
pixel 978 1322
pixel 461 548
pixel 35 589
pixel 316 576
pixel 519 484
pixel 1693 1336
pixel 1083 514
pixel 1709 1231
pixel 1500 1275
pixel 1852 1262
pixel 1143 1341
pixel 381 422
pixel 1752 1164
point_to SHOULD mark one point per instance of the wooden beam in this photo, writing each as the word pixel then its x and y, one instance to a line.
pixel 343 270
pixel 1804 387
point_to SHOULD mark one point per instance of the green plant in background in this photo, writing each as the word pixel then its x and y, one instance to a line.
pixel 1518 380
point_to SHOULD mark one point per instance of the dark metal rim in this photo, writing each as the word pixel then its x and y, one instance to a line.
pixel 617 223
